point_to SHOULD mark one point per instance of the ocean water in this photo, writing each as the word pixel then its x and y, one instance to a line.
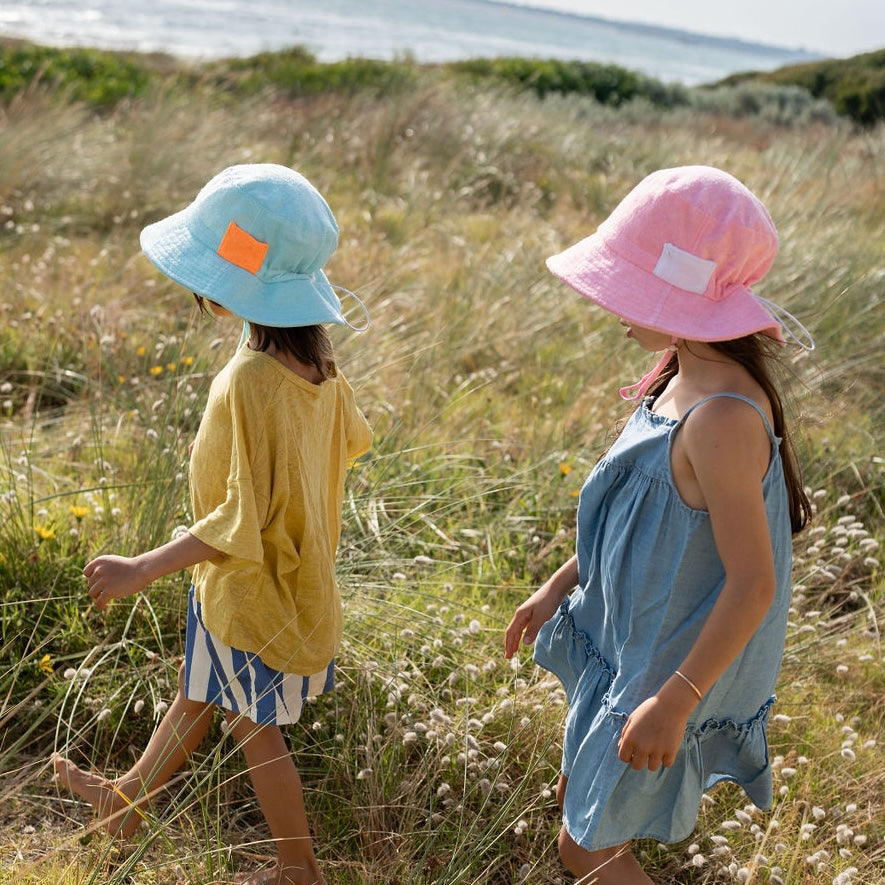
pixel 428 30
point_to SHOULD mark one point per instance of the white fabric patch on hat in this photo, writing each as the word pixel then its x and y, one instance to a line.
pixel 684 270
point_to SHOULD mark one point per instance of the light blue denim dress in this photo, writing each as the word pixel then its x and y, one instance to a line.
pixel 648 576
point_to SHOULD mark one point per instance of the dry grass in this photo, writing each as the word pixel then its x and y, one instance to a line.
pixel 491 391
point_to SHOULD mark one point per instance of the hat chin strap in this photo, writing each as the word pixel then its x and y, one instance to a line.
pixel 359 301
pixel 638 390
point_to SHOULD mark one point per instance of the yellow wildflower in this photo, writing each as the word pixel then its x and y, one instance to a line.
pixel 140 351
pixel 565 469
pixel 44 533
pixel 156 370
pixel 78 512
pixel 46 665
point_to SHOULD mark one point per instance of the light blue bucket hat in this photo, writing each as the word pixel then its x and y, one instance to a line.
pixel 254 240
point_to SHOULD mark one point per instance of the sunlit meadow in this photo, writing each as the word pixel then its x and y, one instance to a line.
pixel 492 390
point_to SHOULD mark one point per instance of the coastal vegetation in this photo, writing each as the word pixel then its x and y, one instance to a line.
pixel 492 390
pixel 852 87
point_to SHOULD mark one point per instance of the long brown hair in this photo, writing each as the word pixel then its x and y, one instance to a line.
pixel 310 345
pixel 757 353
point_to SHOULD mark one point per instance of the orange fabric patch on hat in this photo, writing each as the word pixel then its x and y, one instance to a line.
pixel 242 249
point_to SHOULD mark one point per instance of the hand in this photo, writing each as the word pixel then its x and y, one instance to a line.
pixel 652 734
pixel 530 617
pixel 112 577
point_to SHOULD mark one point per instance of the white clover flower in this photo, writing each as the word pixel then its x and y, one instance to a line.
pixel 787 772
pixel 103 714
pixel 160 708
pixel 410 737
pixel 698 860
pixel 848 753
pixel 364 774
pixel 730 825
pixel 475 627
pixel 138 706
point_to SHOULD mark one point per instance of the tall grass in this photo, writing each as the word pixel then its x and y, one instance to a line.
pixel 492 391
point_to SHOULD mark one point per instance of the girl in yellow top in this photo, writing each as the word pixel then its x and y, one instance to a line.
pixel 267 482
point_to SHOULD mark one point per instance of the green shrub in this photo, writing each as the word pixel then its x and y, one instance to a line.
pixel 608 84
pixel 782 105
pixel 101 79
pixel 854 86
pixel 297 72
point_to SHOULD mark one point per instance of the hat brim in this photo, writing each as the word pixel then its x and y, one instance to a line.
pixel 175 247
pixel 623 288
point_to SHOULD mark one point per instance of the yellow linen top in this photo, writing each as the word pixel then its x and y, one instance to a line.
pixel 267 484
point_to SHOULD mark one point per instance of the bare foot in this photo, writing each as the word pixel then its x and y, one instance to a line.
pixel 278 875
pixel 114 811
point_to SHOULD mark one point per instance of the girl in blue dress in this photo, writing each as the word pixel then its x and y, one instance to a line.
pixel 667 626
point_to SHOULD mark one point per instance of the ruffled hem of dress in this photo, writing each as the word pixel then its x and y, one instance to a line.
pixel 565 651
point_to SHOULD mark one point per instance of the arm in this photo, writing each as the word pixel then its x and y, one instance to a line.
pixel 540 607
pixel 728 451
pixel 111 577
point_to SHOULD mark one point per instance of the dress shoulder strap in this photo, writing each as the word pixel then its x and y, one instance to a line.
pixel 775 440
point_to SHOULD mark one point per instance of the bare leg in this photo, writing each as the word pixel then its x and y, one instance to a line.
pixel 278 788
pixel 118 803
pixel 608 866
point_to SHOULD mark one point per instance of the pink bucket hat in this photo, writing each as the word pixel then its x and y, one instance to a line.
pixel 679 255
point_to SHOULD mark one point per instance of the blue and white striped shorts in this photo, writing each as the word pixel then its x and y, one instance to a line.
pixel 240 681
